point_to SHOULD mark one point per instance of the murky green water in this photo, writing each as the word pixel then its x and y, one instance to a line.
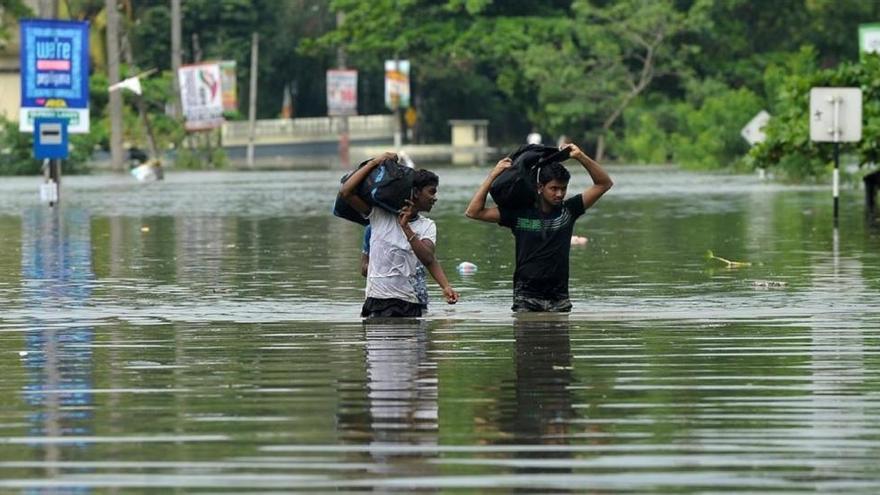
pixel 202 335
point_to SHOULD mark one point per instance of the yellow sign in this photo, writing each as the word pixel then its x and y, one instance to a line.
pixel 411 117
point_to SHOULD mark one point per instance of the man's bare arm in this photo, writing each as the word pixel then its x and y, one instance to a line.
pixel 601 180
pixel 477 207
pixel 349 187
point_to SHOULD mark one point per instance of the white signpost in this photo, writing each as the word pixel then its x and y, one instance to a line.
pixel 836 117
pixel 869 38
pixel 753 132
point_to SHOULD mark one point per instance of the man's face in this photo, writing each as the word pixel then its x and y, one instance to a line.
pixel 425 198
pixel 553 192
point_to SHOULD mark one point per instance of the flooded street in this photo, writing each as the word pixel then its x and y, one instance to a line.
pixel 202 334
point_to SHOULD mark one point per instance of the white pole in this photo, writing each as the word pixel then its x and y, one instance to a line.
pixel 835 122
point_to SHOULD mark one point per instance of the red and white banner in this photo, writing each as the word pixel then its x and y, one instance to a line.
pixel 201 96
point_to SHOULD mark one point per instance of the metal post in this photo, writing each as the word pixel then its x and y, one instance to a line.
pixel 836 101
pixel 836 185
pixel 55 175
pixel 252 102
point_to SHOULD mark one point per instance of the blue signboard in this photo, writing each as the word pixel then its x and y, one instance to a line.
pixel 50 138
pixel 55 72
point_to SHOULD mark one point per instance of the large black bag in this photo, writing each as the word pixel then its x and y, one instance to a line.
pixel 388 186
pixel 517 186
pixel 343 210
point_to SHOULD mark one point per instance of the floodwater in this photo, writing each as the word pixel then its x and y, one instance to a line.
pixel 201 334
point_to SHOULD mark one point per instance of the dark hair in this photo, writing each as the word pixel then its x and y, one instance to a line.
pixel 553 171
pixel 425 178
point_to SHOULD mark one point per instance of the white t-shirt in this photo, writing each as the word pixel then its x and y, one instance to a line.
pixel 395 272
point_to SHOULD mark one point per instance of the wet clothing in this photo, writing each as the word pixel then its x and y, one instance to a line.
pixel 522 302
pixel 394 271
pixel 365 248
pixel 543 244
pixel 390 308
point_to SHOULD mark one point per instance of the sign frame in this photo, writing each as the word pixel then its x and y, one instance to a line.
pixel 753 132
pixel 201 96
pixel 835 114
pixel 869 39
pixel 54 61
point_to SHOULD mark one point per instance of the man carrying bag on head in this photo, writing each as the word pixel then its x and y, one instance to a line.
pixel 401 245
pixel 542 221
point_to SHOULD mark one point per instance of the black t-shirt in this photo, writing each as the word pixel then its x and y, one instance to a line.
pixel 543 242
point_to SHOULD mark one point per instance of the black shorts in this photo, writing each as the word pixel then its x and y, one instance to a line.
pixel 385 308
pixel 523 303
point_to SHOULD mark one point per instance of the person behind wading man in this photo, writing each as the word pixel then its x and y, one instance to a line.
pixel 401 247
pixel 543 231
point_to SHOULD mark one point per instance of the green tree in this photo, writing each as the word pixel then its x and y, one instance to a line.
pixel 788 147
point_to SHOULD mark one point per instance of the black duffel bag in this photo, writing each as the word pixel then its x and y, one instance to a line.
pixel 517 187
pixel 388 186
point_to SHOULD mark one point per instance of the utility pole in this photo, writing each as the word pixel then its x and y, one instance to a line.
pixel 343 120
pixel 398 126
pixel 252 101
pixel 176 39
pixel 116 151
pixel 47 9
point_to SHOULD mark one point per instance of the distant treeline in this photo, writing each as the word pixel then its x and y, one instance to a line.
pixel 636 81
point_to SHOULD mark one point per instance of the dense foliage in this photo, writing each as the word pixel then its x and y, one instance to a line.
pixel 641 81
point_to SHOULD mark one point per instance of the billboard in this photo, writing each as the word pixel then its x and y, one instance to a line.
pixel 397 84
pixel 54 73
pixel 201 96
pixel 229 85
pixel 342 92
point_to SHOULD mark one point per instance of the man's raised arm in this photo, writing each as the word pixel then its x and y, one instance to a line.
pixel 477 207
pixel 349 187
pixel 601 180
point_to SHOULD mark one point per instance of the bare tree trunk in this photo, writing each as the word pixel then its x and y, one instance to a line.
pixel 116 151
pixel 636 88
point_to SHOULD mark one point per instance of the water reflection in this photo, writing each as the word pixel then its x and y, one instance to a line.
pixel 401 396
pixel 57 276
pixel 839 411
pixel 541 409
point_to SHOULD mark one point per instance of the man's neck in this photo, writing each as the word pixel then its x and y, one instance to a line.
pixel 545 207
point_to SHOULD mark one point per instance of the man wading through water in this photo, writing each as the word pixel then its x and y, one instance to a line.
pixel 543 231
pixel 401 247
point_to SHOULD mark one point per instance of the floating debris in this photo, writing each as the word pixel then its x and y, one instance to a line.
pixel 466 268
pixel 577 240
pixel 769 284
pixel 730 264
